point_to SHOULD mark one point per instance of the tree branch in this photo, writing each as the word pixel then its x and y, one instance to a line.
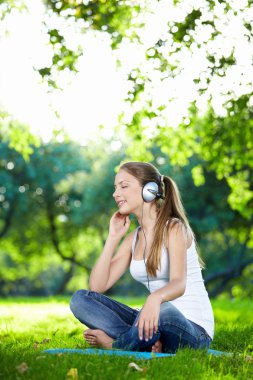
pixel 7 220
pixel 226 276
pixel 234 271
pixel 55 241
pixel 67 276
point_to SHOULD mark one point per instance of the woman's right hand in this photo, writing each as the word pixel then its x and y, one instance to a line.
pixel 119 224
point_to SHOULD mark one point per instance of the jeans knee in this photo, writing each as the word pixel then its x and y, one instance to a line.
pixel 76 298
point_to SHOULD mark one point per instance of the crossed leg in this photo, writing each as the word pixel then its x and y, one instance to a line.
pixel 98 338
pixel 107 320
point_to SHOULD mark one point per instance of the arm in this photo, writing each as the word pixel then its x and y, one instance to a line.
pixel 177 243
pixel 108 270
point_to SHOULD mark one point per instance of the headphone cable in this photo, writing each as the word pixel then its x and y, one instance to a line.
pixel 144 252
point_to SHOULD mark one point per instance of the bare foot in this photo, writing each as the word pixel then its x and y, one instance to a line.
pixel 157 347
pixel 98 338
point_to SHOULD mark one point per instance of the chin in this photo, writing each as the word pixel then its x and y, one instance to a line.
pixel 124 211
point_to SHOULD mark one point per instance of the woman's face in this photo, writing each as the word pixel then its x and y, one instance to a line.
pixel 127 192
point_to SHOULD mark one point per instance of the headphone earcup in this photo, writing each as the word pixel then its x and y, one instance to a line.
pixel 149 191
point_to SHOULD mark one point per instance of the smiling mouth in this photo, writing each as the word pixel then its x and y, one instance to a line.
pixel 121 203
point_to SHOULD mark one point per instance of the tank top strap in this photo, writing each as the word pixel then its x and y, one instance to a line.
pixel 134 239
pixel 164 230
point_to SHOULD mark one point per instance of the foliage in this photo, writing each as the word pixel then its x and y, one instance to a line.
pixel 33 212
pixel 56 199
pixel 6 7
pixel 55 211
pixel 53 216
pixel 224 144
pixel 210 35
pixel 115 18
pixel 216 116
pixel 17 135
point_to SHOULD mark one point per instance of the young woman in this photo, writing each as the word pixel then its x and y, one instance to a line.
pixel 161 254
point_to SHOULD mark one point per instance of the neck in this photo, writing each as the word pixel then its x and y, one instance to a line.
pixel 147 216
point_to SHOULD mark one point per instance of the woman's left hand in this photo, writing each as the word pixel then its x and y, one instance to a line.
pixel 149 317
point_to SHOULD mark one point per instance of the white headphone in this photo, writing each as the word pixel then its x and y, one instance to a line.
pixel 150 192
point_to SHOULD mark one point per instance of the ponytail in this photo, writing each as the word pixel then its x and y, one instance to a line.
pixel 170 209
pixel 170 212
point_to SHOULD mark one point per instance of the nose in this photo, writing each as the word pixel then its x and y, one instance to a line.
pixel 117 193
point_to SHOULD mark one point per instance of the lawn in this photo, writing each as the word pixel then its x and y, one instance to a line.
pixel 30 325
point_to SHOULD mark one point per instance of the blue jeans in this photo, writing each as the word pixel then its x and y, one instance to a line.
pixel 97 311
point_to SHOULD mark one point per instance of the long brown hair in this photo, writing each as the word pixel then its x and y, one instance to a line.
pixel 170 210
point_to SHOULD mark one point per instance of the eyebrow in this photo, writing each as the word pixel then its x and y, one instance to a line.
pixel 121 182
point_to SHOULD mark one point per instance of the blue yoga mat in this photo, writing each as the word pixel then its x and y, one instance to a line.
pixel 137 355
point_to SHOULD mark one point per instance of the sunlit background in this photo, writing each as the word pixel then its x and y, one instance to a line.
pixel 95 95
pixel 86 100
pixel 99 82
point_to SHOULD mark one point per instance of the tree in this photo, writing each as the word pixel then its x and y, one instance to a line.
pixel 6 7
pixel 17 135
pixel 210 35
pixel 61 202
pixel 54 214
pixel 117 19
pixel 34 210
pixel 215 119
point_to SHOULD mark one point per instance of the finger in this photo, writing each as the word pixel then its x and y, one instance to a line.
pixel 118 215
pixel 146 329
pixel 151 329
pixel 156 326
pixel 127 221
pixel 140 329
pixel 115 215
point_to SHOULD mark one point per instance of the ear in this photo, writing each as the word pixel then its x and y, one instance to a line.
pixel 149 191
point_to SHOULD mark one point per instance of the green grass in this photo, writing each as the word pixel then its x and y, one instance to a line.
pixel 30 325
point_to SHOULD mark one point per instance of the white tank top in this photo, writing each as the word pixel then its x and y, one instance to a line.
pixel 194 304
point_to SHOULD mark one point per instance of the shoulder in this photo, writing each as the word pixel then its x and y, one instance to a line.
pixel 177 231
pixel 175 224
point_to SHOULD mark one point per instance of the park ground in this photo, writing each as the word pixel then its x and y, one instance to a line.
pixel 28 326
